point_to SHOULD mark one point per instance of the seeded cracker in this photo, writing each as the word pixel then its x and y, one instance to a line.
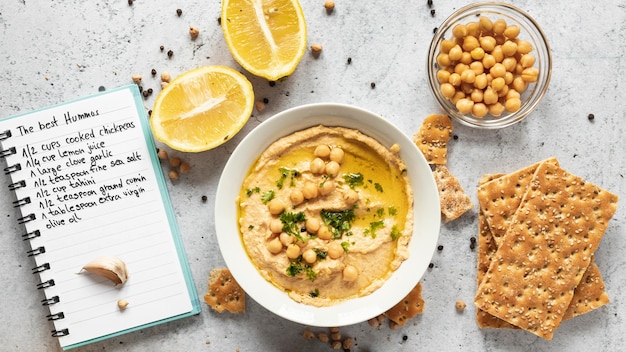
pixel 224 293
pixel 545 252
pixel 453 200
pixel 432 138
pixel 406 309
pixel 589 294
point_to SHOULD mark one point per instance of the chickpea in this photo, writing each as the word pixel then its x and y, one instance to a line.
pixel 487 43
pixel 485 24
pixel 466 58
pixel 446 45
pixel 498 84
pixel 336 155
pixel 470 43
pixel 322 151
pixel 317 166
pixel 477 67
pixel 473 29
pixel 488 61
pixel 509 48
pixel 489 96
pixel 285 238
pixel 477 53
pixel 527 60
pixel 467 88
pixel 335 250
pixel 443 76
pixel 455 53
pixel 447 90
pixel 498 70
pixel 519 84
pixel 503 92
pixel 332 168
pixel 481 81
pixel 497 53
pixel 459 31
pixel 508 78
pixel 499 26
pixel 468 76
pixel 512 105
pixel 350 273
pixel 509 63
pixel 324 233
pixel 276 206
pixel 443 59
pixel 511 31
pixel 457 96
pixel 500 39
pixel 327 187
pixel 351 197
pixel 477 95
pixel 296 197
pixel 464 105
pixel 312 225
pixel 523 46
pixel 512 93
pixel 293 251
pixel 276 226
pixel 480 110
pixel 309 190
pixel 309 256
pixel 460 68
pixel 530 74
pixel 274 246
pixel 496 109
pixel 455 79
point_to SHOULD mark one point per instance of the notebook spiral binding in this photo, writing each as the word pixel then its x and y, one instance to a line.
pixel 7 152
pixel 41 268
pixel 20 202
pixel 50 301
pixel 31 235
pixel 16 185
pixel 5 135
pixel 11 169
pixel 59 333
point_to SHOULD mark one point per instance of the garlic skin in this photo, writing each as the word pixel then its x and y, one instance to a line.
pixel 110 267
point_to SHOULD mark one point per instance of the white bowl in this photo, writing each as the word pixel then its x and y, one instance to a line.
pixel 425 207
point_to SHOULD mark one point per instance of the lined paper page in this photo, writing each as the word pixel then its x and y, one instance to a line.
pixel 94 190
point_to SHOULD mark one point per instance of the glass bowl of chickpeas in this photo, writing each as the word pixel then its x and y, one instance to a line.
pixel 489 65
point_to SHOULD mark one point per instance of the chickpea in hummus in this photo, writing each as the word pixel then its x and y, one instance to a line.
pixel 326 214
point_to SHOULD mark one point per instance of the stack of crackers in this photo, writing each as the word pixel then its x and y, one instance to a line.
pixel 538 230
pixel 432 140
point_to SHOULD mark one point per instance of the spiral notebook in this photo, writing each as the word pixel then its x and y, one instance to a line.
pixel 88 184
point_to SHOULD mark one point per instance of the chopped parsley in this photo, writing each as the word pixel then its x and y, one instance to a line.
pixel 253 190
pixel 395 233
pixel 380 212
pixel 378 187
pixel 267 196
pixel 314 293
pixel 353 179
pixel 284 173
pixel 373 227
pixel 291 223
pixel 345 246
pixel 392 211
pixel 296 267
pixel 339 221
pixel 321 255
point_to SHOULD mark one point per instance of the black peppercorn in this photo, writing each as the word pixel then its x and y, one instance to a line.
pixel 373 85
pixel 455 137
pixel 430 3
pixel 149 113
pixel 145 93
pixel 153 72
pixel 440 247
pixel 431 265
pixel 472 245
pixel 170 53
pixel 435 30
pixel 204 198
pixel 150 91
pixel 219 21
pixel 272 83
pixel 591 117
pixel 161 47
pixel 179 12
pixel 432 12
pixel 265 100
pixel 130 2
pixel 349 60
pixel 404 337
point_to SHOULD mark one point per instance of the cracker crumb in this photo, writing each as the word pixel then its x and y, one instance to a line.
pixel 308 334
pixel 460 305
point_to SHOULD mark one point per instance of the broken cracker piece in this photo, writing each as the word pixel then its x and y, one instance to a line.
pixel 546 250
pixel 224 293
pixel 432 138
pixel 454 202
pixel 408 307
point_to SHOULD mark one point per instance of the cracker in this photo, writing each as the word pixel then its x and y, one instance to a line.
pixel 432 138
pixel 500 197
pixel 224 293
pixel 453 200
pixel 409 307
pixel 546 250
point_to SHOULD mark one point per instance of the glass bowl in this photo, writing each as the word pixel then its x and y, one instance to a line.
pixel 529 31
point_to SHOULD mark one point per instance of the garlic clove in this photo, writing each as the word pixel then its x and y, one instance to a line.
pixel 110 267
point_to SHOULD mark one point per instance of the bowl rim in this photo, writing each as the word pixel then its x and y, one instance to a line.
pixel 538 92
pixel 427 216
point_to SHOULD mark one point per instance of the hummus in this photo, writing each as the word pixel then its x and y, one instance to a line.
pixel 326 214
